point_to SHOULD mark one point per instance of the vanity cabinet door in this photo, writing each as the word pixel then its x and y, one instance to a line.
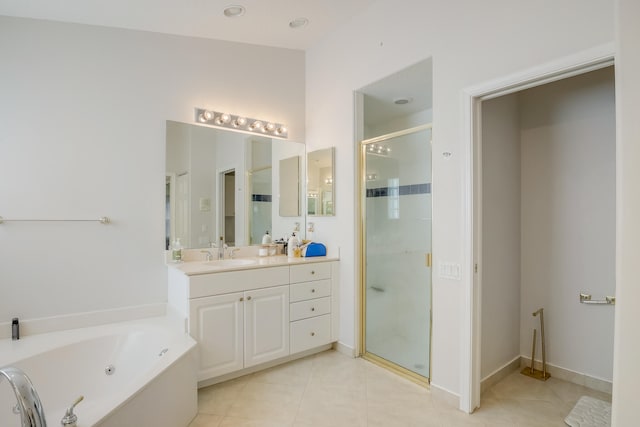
pixel 266 326
pixel 216 322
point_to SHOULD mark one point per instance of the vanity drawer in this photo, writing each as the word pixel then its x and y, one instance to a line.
pixel 310 290
pixel 226 282
pixel 308 272
pixel 310 333
pixel 310 308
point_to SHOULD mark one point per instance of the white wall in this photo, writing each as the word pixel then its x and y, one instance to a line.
pixel 627 346
pixel 500 264
pixel 82 134
pixel 568 219
pixel 469 45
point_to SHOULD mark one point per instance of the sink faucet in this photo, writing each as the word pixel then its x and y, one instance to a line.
pixel 232 252
pixel 29 405
pixel 207 255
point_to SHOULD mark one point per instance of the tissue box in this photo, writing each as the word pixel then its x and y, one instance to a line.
pixel 315 249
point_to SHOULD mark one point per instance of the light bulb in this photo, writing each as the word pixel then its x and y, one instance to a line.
pixel 270 127
pixel 256 125
pixel 225 118
pixel 281 130
pixel 207 115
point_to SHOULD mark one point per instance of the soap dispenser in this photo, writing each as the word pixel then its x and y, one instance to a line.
pixel 176 250
pixel 266 239
pixel 292 245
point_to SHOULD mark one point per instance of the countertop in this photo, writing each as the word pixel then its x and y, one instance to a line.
pixel 192 268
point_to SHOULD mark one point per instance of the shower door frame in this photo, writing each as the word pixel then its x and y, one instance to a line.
pixel 362 183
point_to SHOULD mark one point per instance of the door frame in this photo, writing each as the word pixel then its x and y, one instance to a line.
pixel 472 97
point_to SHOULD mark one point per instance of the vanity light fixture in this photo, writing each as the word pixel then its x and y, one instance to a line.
pixel 328 180
pixel 240 123
pixel 372 177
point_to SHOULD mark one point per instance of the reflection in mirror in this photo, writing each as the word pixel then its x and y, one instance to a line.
pixel 221 183
pixel 290 186
pixel 320 183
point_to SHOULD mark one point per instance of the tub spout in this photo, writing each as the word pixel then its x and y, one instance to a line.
pixel 29 405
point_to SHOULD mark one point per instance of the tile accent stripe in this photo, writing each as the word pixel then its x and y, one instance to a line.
pixel 261 197
pixel 403 190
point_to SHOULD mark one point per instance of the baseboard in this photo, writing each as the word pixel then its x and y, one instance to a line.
pixel 499 374
pixel 344 349
pixel 445 396
pixel 83 320
pixel 568 375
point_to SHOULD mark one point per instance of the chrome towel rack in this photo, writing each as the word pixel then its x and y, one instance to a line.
pixel 101 220
pixel 586 299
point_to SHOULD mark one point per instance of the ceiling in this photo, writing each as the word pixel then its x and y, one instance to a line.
pixel 265 22
pixel 414 83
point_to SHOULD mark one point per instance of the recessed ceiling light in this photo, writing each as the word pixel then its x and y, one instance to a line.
pixel 233 10
pixel 402 101
pixel 298 23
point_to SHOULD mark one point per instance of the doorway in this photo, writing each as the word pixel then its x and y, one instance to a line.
pixel 544 228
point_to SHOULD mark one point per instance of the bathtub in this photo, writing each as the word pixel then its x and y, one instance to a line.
pixel 138 373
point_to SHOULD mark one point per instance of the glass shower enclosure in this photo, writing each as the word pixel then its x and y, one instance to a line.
pixel 396 251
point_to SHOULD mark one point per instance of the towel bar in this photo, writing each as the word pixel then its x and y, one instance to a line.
pixel 586 299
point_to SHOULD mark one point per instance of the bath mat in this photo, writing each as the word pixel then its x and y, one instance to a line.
pixel 590 412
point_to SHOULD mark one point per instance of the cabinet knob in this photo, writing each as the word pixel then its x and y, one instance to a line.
pixel 313 309
pixel 313 334
pixel 313 272
pixel 313 291
pixel 248 298
pixel 241 299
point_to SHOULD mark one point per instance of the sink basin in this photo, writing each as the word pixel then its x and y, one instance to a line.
pixel 237 262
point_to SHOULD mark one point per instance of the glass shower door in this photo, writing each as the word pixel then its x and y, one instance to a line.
pixel 397 250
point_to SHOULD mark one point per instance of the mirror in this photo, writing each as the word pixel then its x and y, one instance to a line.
pixel 320 183
pixel 289 186
pixel 225 183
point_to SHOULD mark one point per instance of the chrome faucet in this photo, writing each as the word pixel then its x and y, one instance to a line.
pixel 232 252
pixel 29 405
pixel 70 419
pixel 207 255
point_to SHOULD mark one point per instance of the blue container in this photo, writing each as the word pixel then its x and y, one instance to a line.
pixel 315 249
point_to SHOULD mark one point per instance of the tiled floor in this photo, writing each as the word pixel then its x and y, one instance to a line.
pixel 332 390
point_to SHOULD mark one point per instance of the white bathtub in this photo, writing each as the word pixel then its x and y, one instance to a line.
pixel 148 387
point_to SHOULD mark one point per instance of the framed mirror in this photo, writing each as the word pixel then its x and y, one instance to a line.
pixel 225 183
pixel 321 182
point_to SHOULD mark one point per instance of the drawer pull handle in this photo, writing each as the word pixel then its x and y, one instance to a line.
pixel 313 334
pixel 248 298
pixel 313 309
pixel 241 299
pixel 313 291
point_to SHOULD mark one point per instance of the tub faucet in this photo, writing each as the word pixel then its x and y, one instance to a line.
pixel 29 405
pixel 70 419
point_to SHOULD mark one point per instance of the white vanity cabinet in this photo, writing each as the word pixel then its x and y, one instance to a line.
pixel 243 318
pixel 240 330
pixel 310 306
